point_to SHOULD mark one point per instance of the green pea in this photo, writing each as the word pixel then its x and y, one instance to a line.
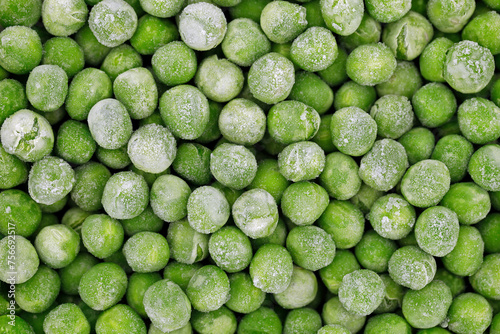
pixel 392 217
pixel 335 314
pixel 432 59
pixel 454 282
pixel 13 98
pixel 64 18
pixel 180 273
pixel 489 228
pixel 162 8
pixel 405 81
pixel 283 21
pixel 20 49
pixel 333 329
pixel 186 245
pixel 102 235
pixel 47 87
pixel 336 74
pixel 393 297
pixel 221 321
pixel 304 202
pixel 169 197
pixel 434 104
pixel 93 51
pixel 365 198
pixel 469 201
pixel 469 312
pixel 436 230
pixel 387 323
pixel 66 318
pixel 125 195
pixel 313 91
pixel 361 292
pixel 278 237
pixel 207 209
pixel 271 268
pixel 146 252
pixel 324 137
pixel 467 256
pixel 39 292
pixel 255 212
pixel 71 274
pixel 90 180
pixel 26 264
pixel 369 31
pixel 343 18
pixel 57 245
pixel 344 221
pixel 411 267
pixel 393 115
pixel 386 12
pixel 208 289
pixel 373 251
pixel 314 50
pixel 269 179
pixel 262 319
pixel 120 60
pixel 65 53
pixel 448 17
pixel 230 249
pixel 233 166
pixel 303 320
pixel 311 247
pixel 120 318
pixel 26 13
pixel 478 120
pixel 484 167
pixel 352 94
pixel 18 213
pixel 174 63
pixel 74 218
pixel 245 297
pixel 115 159
pixel 419 144
pixel 74 142
pixel 371 64
pixel 192 163
pixel 486 280
pixel 343 263
pixel 152 33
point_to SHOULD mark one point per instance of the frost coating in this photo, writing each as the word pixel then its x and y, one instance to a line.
pixel 450 16
pixel 64 17
pixel 411 267
pixel 207 209
pixel 301 291
pixel 202 26
pixel 271 268
pixel 484 167
pixel 386 11
pixel 233 165
pixel 208 289
pixel 146 252
pixel 50 179
pixel 342 17
pixel 301 161
pixel 394 116
pixel 47 87
pixel 479 120
pixel 315 49
pixel 57 245
pixel 371 64
pixel 361 291
pixel 282 21
pixel 353 131
pixel 436 230
pixel 243 122
pixel 311 247
pixel 26 264
pixel 162 8
pixel 230 249
pixel 112 22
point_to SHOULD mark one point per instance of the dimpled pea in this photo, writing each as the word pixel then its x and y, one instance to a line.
pixel 50 180
pixel 86 89
pixel 335 314
pixel 392 217
pixel 384 165
pixel 243 122
pixel 313 91
pixel 469 313
pixel 146 252
pixel 208 289
pixel 161 8
pixel 393 115
pixel 169 197
pixel 39 292
pixel 103 286
pixel 388 11
pixel 482 28
pixel 344 221
pixel 13 98
pixel 207 209
pixel 343 17
pixel 490 232
pixel 411 267
pixel 26 264
pixel 119 60
pixel 185 111
pixel 484 167
pixel 434 104
pixel 470 202
pixel 371 64
pixel 271 268
pixel 112 22
pixel 301 161
pixel 436 230
pixel 304 202
pixel 419 144
pixel 361 292
pixel 486 280
pixel 467 256
pixel 125 195
pixel 450 16
pixel 110 124
pixel 20 49
pixel 292 121
pixel 311 247
pixel 136 89
pixel 102 235
pixel 152 33
pixel 72 273
pixel 479 120
pixel 408 36
pixel 66 318
pixel 47 87
pixel 283 21
pixel 373 251
pixel 245 297
pixel 352 94
pixel 468 67
pixel 271 78
pixel 245 42
pixel 255 212
pixel 57 245
pixel 230 249
pixel 343 263
pixel 186 245
pixel 314 50
pixel 18 212
pixel 202 26
pixel 64 17
pixel 74 142
pixel 303 320
pixel 263 319
pixel 221 321
pixel 233 166
pixel 425 183
pixel 116 159
pixel 433 58
pixel 174 63
pixel 405 80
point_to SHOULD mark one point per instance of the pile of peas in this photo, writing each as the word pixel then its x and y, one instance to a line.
pixel 249 166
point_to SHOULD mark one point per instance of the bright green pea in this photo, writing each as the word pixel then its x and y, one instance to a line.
pixel 39 292
pixel 479 120
pixel 369 31
pixel 371 64
pixel 174 63
pixel 13 98
pixel 208 289
pixel 180 273
pixel 392 216
pixel 345 222
pixel 66 318
pixel 388 11
pixel 283 21
pixel 152 33
pixel 489 228
pixel 311 247
pixel 271 268
pixel 387 323
pixel 269 179
pixel 314 50
pixel 419 144
pixel 186 245
pixel 115 159
pixel 161 8
pixel 146 252
pixel 64 52
pixel 18 213
pixel 467 256
pixel 373 251
pixel 262 319
pixel 72 273
pixel 352 94
pixel 245 297
pixel 344 17
pixel 20 49
pixel 469 313
pixel 221 321
pixel 25 13
pixel 47 87
pixel 411 267
pixel 102 235
pixel 304 202
pixel 90 180
pixel 433 58
pixel 393 115
pixel 336 74
pixel 450 17
pixel 26 264
pixel 94 52
pixel 484 167
pixel 470 202
pixel 74 142
pixel 120 318
pixel 313 91
pixel 335 314
pixel 302 320
pixel 169 197
pixel 361 292
pixel 230 249
pixel 233 166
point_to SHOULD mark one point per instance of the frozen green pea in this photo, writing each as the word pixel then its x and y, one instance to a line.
pixel 484 167
pixel 64 17
pixel 433 58
pixel 311 247
pixel 302 320
pixel 136 89
pixel 365 197
pixel 352 94
pixel 369 31
pixel 57 245
pixel 333 329
pixel 343 263
pixel 74 142
pixel 405 81
pixel 146 252
pixel 373 251
pixel 192 163
pixel 301 161
pixel 13 98
pixel 242 121
pixel 174 63
pixel 419 144
pixel 454 282
pixel 411 267
pixel 467 256
pixel 469 313
pixel 324 136
pixel 314 50
pixel 271 268
pixel 152 33
pixel 94 52
pixel 408 36
pixel 486 280
pixel 113 22
pixel 479 120
pixel 65 53
pixel 250 9
pixel 392 217
pixel 384 165
pixel 313 91
pixel 278 237
pixel 169 198
pixel 393 295
pixel 386 11
pixel 103 286
pixel 387 323
pixel 47 87
pixel 283 21
pixel 335 314
pixel 292 121
pixel 72 273
pixel 221 321
pixel 20 49
pixel 66 318
pixel 26 264
pixel 115 159
pixel 335 74
pixel 25 13
pixel 301 291
pixel 233 166
pixel 470 202
pixel 304 202
pixel 481 30
pixel 450 16
pixel 262 319
pixel 102 235
pixel 39 292
pixel 208 289
pixel 269 179
pixel 495 325
pixel 18 213
pixel 186 245
pixel 86 89
pixel 454 151
pixel 202 26
pixel 425 183
pixel 90 180
pixel 185 111
pixel 344 222
pixel 120 318
pixel 20 325
pixel 212 131
pixel 255 212
pixel 146 221
pixel 162 8
pixel 245 42
pixel 74 218
pixel 468 67
pixel 371 64
pixel 219 79
pixel 245 297
pixel 271 77
pixel 13 171
pixel 361 292
pixel 436 230
pixel 110 124
pixel 125 195
pixel 344 17
pixel 434 104
pixel 50 180
pixel 207 209
pixel 119 60
pixel 187 329
pixel 230 249
pixel 180 273
pixel 393 115
pixel 490 232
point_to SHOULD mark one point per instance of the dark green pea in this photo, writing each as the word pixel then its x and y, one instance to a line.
pixel 18 213
pixel 12 97
pixel 405 80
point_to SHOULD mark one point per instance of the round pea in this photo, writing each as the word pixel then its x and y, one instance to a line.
pixel 411 267
pixel 371 64
pixel 467 256
pixel 484 167
pixel 344 222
